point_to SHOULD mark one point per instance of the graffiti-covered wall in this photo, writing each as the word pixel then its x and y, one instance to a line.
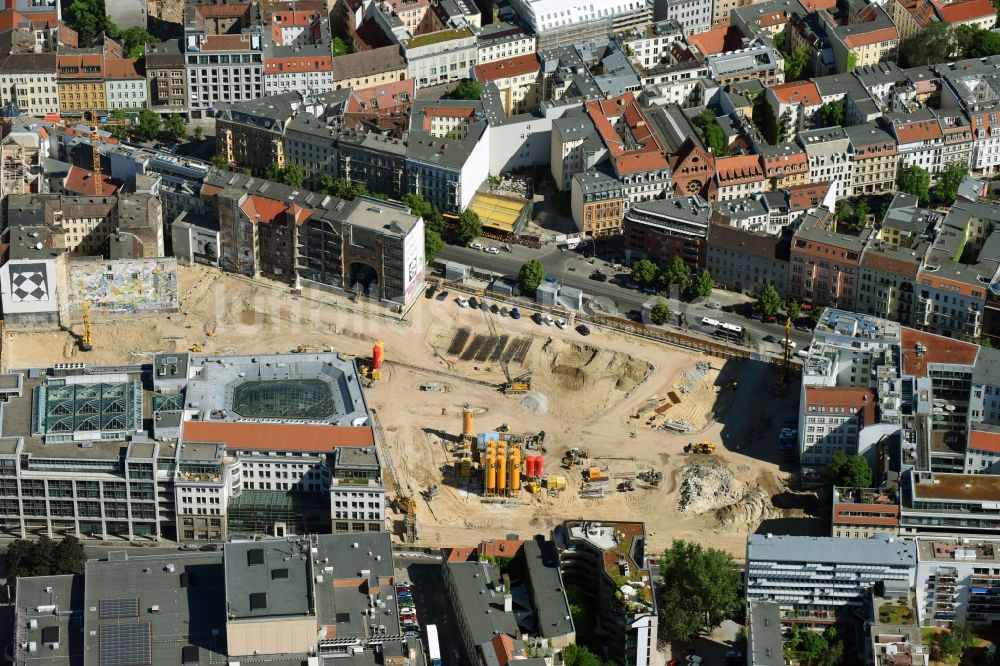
pixel 122 286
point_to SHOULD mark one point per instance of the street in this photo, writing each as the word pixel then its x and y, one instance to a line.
pixel 433 607
pixel 574 268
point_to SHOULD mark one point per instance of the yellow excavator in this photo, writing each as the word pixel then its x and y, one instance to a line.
pixel 86 341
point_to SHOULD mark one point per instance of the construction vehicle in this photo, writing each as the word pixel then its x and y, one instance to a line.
pixel 700 447
pixel 595 474
pixel 86 340
pixel 533 487
pixel 196 348
pixel 513 385
pixel 781 386
pixel 625 487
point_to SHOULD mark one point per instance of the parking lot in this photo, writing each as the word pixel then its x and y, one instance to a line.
pixel 431 602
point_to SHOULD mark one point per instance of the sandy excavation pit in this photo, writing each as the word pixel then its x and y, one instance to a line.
pixel 591 389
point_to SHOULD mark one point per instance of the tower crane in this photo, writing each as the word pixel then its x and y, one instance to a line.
pixel 86 341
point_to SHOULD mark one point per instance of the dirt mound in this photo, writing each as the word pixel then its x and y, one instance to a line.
pixel 569 377
pixel 715 491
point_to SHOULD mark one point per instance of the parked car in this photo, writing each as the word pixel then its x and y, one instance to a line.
pixel 474 303
pixel 549 278
pixel 462 303
pixel 583 329
pixel 515 313
pixel 561 323
pixel 804 352
pixel 209 547
pixel 802 327
pixel 430 291
pixel 190 546
pixel 713 305
pixel 537 318
pixel 600 277
pixel 476 246
pixel 491 250
pixel 770 338
pixel 443 295
pixel 548 320
pixel 503 311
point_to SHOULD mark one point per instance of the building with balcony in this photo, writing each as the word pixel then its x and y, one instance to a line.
pixel 165 72
pixel 815 580
pixel 958 580
pixel 825 265
pixel 607 561
pixel 747 262
pixel 674 226
pixel 560 22
pixel 936 503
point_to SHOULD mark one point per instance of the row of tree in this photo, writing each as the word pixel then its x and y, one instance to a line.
pixel 676 276
pixel 45 557
pixel 941 42
pixel 916 180
pixel 89 19
pixel 150 126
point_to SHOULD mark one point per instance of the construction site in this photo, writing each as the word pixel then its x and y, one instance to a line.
pixel 493 425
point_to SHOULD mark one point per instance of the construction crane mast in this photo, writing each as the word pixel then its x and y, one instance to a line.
pixel 786 348
pixel 519 384
pixel 86 341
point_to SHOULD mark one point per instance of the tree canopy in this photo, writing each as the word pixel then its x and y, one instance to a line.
pixel 814 649
pixel 676 273
pixel 701 588
pixel 708 127
pixel 432 244
pixel 768 301
pixel 953 643
pixel 797 65
pixel 425 209
pixel 87 18
pixel 644 272
pixel 916 181
pixel 469 226
pixel 290 175
pixel 831 114
pixel 466 89
pixel 934 44
pixel 45 557
pixel 338 47
pixel 946 190
pixel 149 125
pixel 701 285
pixel 794 311
pixel 660 314
pixel 851 471
pixel 175 127
pixel 530 276
pixel 133 40
pixel 766 121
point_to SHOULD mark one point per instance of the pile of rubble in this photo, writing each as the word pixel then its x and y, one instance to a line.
pixel 693 377
pixel 707 489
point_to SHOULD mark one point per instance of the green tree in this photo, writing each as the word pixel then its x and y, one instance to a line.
pixel 768 301
pixel 644 272
pixel 149 125
pixel 701 285
pixel 469 226
pixel 831 114
pixel 338 47
pixel 175 127
pixel 119 132
pixel 793 309
pixel 934 44
pixel 530 276
pixel 273 173
pixel 851 471
pixel 974 42
pixel 660 314
pixel 466 89
pixel 677 273
pixel 432 244
pixel 425 209
pixel 988 343
pixel 199 134
pixel 133 41
pixel 293 175
pixel 852 61
pixel 797 65
pixel 764 118
pixel 578 655
pixel 916 181
pixel 946 190
pixel 779 41
pixel 814 649
pixel 953 643
pixel 701 588
pixel 219 161
pixel 861 213
pixel 711 134
pixel 323 183
pixel 69 556
pixel 88 18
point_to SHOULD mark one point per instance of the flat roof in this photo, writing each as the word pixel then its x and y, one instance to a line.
pixel 180 596
pixel 278 436
pixel 881 550
pixel 765 633
pixel 33 597
pixel 958 488
pixel 479 590
pixel 977 550
pixel 353 567
pixel 936 349
pixel 548 593
pixel 265 579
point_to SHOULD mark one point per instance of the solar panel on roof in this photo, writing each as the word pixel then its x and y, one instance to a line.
pixel 111 609
pixel 126 645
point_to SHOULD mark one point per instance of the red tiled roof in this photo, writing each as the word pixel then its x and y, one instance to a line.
pixel 921 130
pixel 804 197
pixel 872 37
pixel 278 436
pixel 502 69
pixel 982 440
pixel 922 11
pixel 936 349
pixel 966 11
pixel 459 554
pixel 842 397
pixel 738 169
pixel 81 181
pixel 649 155
pixel 386 97
pixel 226 43
pixel 801 92
pixel 717 40
pixel 770 20
pixel 889 514
pixel 122 68
pixel 500 547
pixel 263 209
pixel 503 648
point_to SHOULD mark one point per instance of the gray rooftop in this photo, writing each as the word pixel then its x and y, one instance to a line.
pixel 56 604
pixel 364 557
pixel 548 594
pixel 266 579
pixel 479 592
pixel 765 634
pixel 180 597
pixel 810 231
pixel 877 551
pixel 987 367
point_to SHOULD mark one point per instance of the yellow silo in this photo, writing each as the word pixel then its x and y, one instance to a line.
pixel 515 470
pixel 502 473
pixel 468 422
pixel 490 469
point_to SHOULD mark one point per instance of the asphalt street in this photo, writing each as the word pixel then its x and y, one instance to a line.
pixel 574 269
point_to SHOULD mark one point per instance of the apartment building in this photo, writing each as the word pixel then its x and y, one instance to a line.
pixel 517 79
pixel 165 72
pixel 500 41
pixel 608 561
pixel 758 60
pixel 794 106
pixel 875 157
pixel 126 84
pixel 973 13
pixel 575 147
pixel 598 203
pixel 944 504
pixel 869 37
pixel 863 513
pixel 674 226
pixel 738 177
pixel 785 165
pixel 832 420
pixel 824 265
pixel 919 139
pixel 817 579
pixel 365 69
pixel 830 160
pixel 747 262
pixel 693 16
pixel 29 81
pixel 357 493
pixel 80 77
pixel 560 22
pixel 958 581
pixel 440 57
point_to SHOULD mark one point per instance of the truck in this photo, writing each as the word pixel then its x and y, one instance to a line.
pixel 433 649
pixel 595 474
